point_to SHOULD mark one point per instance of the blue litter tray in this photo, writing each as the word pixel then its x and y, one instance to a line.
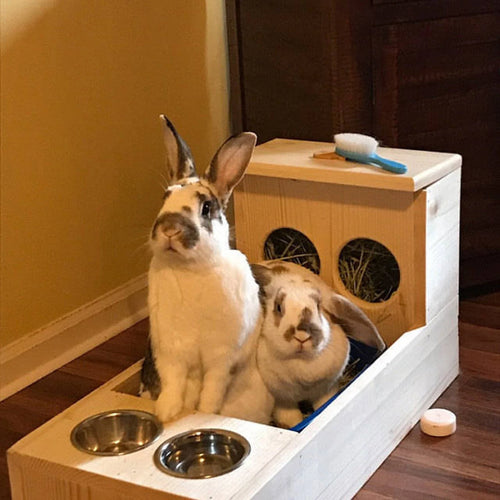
pixel 361 357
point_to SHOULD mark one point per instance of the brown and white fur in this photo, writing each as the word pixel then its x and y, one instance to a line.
pixel 303 348
pixel 203 300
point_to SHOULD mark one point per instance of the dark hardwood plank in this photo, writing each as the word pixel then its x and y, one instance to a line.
pixel 491 299
pixel 477 312
pixel 480 338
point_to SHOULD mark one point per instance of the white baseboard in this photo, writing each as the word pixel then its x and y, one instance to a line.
pixel 37 354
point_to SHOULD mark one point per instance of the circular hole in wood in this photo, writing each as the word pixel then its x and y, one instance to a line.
pixel 369 270
pixel 291 245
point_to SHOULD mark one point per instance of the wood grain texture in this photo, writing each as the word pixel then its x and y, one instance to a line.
pixel 294 159
pixel 400 11
pixel 331 216
pixel 333 203
pixel 47 453
pixel 236 103
pixel 308 52
pixel 442 226
pixel 461 466
pixel 416 74
pixel 436 86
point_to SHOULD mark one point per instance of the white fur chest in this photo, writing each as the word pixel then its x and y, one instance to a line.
pixel 293 382
pixel 192 309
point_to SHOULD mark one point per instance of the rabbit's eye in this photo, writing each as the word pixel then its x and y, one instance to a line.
pixel 205 209
pixel 279 305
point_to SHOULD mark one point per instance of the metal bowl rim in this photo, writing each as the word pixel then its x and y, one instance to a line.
pixel 237 437
pixel 139 413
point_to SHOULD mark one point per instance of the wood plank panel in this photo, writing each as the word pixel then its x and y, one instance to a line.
pixel 401 11
pixel 331 216
pixel 442 242
pixel 304 68
pixel 437 86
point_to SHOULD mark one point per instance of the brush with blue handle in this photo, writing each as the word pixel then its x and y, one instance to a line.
pixel 362 148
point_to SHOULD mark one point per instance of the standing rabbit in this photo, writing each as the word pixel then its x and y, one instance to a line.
pixel 303 348
pixel 203 300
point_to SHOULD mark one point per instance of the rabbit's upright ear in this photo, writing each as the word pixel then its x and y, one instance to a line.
pixel 353 320
pixel 229 164
pixel 180 162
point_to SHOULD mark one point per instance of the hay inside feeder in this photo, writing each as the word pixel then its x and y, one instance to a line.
pixel 293 246
pixel 369 270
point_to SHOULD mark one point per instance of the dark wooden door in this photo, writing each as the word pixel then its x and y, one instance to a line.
pixel 300 69
pixel 418 74
pixel 436 87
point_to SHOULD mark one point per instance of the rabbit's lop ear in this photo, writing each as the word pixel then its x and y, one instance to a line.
pixel 353 320
pixel 229 164
pixel 180 162
pixel 262 275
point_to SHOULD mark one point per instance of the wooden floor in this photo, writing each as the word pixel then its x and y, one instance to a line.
pixel 463 466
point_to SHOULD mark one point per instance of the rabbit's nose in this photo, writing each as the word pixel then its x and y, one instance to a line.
pixel 171 232
pixel 302 336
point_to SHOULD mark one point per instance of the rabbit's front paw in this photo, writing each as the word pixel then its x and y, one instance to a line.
pixel 287 417
pixel 167 408
pixel 209 405
pixel 214 388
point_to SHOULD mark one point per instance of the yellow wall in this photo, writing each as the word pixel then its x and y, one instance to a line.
pixel 83 83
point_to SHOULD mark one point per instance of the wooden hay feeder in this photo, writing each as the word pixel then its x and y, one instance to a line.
pixel 415 219
pixel 350 214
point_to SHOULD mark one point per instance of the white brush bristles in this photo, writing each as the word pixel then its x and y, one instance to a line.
pixel 356 143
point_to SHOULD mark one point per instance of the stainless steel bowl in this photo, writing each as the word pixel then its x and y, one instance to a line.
pixel 116 432
pixel 202 453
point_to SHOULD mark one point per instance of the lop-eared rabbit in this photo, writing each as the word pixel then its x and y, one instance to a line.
pixel 303 348
pixel 205 314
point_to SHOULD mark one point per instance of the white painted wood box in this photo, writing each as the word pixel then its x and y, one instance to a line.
pixel 416 216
